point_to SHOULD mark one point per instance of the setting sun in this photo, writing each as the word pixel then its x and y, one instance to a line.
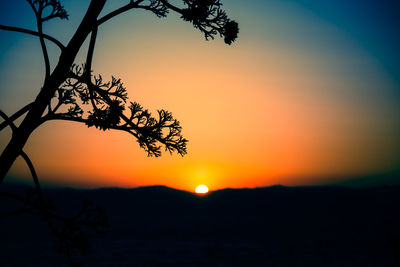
pixel 201 189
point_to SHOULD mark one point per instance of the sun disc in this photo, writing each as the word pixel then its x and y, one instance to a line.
pixel 201 189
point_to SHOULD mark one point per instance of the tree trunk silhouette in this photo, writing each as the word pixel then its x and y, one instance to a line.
pixel 32 119
pixel 108 100
pixel 73 86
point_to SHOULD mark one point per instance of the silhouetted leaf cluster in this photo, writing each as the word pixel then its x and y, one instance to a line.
pixel 151 131
pixel 158 8
pixel 71 92
pixel 102 105
pixel 53 9
pixel 209 18
pixel 205 15
pixel 107 116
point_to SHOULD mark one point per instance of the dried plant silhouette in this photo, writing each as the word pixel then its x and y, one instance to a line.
pixel 72 92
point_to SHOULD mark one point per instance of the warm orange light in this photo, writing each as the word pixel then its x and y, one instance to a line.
pixel 201 189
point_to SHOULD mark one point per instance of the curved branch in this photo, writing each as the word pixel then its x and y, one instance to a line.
pixel 22 30
pixel 174 8
pixel 33 172
pixel 118 11
pixel 15 116
pixel 33 7
pixel 44 50
pixel 39 24
pixel 89 58
pixel 8 121
pixel 23 154
pixel 61 117
pixel 65 118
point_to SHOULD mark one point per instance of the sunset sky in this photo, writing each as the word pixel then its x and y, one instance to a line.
pixel 308 94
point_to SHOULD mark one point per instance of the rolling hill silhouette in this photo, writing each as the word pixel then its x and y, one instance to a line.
pixel 272 226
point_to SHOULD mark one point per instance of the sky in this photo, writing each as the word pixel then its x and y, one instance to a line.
pixel 309 94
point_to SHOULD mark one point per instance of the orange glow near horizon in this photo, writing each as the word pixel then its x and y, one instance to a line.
pixel 279 130
pixel 261 112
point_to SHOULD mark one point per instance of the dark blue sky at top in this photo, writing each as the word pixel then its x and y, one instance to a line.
pixel 374 24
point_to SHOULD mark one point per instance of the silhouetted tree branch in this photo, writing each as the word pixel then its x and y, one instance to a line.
pixel 57 11
pixel 130 5
pixel 30 32
pixel 23 154
pixel 71 92
pixel 70 233
pixel 7 121
pixel 205 15
pixel 16 115
pixel 108 100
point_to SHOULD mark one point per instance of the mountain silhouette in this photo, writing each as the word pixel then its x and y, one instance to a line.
pixel 271 226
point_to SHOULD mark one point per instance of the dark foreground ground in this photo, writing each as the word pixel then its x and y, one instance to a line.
pixel 275 226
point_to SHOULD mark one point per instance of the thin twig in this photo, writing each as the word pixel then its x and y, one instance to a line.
pixel 89 58
pixel 118 11
pixel 39 23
